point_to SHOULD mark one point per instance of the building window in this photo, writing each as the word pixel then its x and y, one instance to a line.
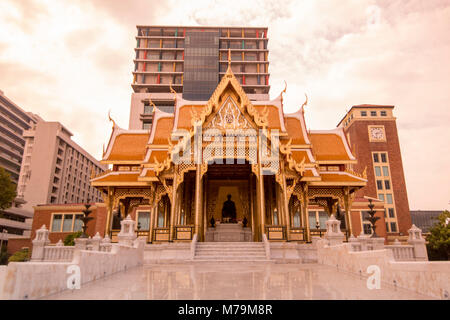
pixel 378 171
pixel 387 184
pixel 160 219
pixel 393 227
pixel 375 157
pixel 363 113
pixel 373 113
pixel 385 171
pixel 312 219
pixel 383 113
pixel 297 219
pixel 381 197
pixel 367 226
pixel 143 220
pixel 148 109
pixel 387 227
pixel 391 213
pixel 323 217
pixel 146 125
pixel 389 198
pixel 379 185
pixel 66 222
pixel 56 223
pixel 383 157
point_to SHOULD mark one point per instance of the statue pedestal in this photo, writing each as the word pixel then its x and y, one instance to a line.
pixel 228 232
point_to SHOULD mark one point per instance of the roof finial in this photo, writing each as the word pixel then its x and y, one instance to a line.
pixel 152 104
pixel 304 103
pixel 284 91
pixel 110 119
pixel 174 93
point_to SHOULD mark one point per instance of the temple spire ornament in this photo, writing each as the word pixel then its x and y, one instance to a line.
pixel 110 119
pixel 284 91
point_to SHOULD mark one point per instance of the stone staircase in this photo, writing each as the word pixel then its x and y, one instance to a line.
pixel 230 252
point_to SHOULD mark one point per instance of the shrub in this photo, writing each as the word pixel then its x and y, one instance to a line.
pixel 70 239
pixel 20 256
pixel 4 256
pixel 439 239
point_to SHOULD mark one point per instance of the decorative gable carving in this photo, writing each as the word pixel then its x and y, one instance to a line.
pixel 229 116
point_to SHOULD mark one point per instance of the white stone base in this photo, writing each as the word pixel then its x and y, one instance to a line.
pixel 228 232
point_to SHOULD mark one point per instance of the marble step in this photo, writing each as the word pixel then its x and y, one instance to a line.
pixel 235 254
pixel 222 257
pixel 230 249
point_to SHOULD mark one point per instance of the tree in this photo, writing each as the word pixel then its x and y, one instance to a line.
pixel 7 190
pixel 439 238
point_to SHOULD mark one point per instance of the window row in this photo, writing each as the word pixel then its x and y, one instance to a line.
pixel 66 222
pixel 380 157
pixel 385 170
pixel 386 184
pixel 374 113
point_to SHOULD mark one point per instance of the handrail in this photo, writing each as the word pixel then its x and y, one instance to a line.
pixel 193 246
pixel 266 246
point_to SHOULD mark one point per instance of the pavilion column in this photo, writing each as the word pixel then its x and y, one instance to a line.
pixel 347 205
pixel 198 204
pixel 260 193
pixel 261 204
pixel 153 213
pixel 252 209
pixel 109 201
pixel 173 207
pixel 285 203
pixel 204 202
pixel 305 216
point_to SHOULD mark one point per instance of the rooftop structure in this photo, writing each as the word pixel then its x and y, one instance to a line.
pixel 13 121
pixel 191 61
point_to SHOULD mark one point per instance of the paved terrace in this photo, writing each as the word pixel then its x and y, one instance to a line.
pixel 234 281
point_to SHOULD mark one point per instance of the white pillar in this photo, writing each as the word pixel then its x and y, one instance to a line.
pixel 127 234
pixel 39 244
pixel 418 242
pixel 334 234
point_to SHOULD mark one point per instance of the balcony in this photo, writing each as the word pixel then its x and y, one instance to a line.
pixel 15 224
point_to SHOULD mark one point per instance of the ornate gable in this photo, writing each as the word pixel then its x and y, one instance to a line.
pixel 229 116
pixel 229 86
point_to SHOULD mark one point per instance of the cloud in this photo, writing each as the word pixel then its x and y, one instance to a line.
pixel 71 61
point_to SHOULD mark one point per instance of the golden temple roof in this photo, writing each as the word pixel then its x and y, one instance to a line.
pixel 304 151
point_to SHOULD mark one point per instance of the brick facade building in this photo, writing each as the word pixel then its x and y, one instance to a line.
pixel 371 131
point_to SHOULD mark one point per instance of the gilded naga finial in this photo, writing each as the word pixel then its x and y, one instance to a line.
pixel 284 91
pixel 110 119
pixel 174 93
pixel 306 101
pixel 152 104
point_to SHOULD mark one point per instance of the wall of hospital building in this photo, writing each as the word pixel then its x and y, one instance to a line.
pixel 388 168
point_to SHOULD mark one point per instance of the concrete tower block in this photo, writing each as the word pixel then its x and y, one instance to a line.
pixel 39 244
pixel 334 234
pixel 127 234
pixel 418 242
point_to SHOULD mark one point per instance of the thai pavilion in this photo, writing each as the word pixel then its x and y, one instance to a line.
pixel 176 177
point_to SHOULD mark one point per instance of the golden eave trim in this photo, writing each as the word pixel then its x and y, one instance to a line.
pixel 327 183
pixel 115 183
pixel 135 162
pixel 336 161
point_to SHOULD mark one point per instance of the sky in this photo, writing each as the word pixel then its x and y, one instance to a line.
pixel 71 61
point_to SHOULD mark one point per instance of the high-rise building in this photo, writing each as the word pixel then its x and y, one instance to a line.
pixel 372 133
pixel 55 169
pixel 191 61
pixel 13 121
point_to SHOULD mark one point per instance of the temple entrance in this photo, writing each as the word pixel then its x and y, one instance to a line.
pixel 229 202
